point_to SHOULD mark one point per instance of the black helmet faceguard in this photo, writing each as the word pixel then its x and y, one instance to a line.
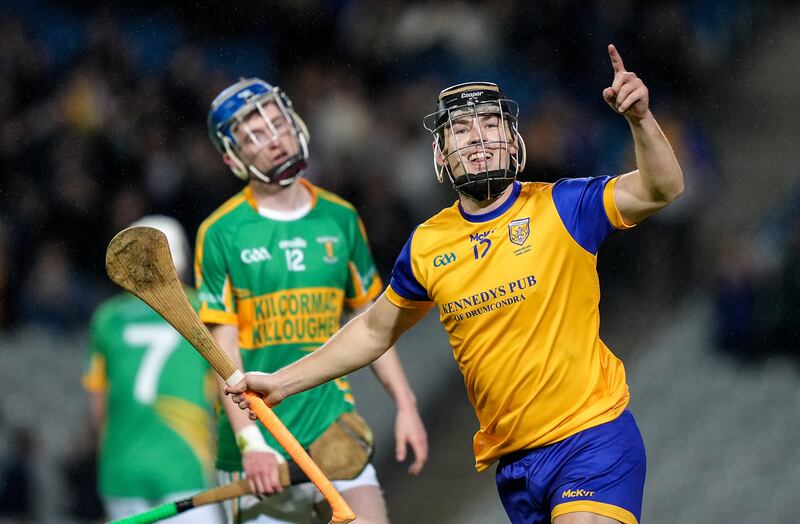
pixel 472 102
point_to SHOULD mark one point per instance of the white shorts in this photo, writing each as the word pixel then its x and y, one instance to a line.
pixel 121 507
pixel 294 505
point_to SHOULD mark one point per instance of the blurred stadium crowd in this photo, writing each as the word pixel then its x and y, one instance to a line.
pixel 103 113
pixel 757 288
pixel 103 120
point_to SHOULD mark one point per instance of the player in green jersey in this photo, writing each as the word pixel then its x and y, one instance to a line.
pixel 277 266
pixel 150 397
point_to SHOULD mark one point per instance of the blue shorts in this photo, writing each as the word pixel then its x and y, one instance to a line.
pixel 600 470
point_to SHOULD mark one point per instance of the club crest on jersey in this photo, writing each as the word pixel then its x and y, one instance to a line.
pixel 519 230
pixel 328 242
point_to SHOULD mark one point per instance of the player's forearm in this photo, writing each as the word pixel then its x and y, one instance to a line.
pixel 393 379
pixel 98 411
pixel 352 348
pixel 660 172
pixel 227 338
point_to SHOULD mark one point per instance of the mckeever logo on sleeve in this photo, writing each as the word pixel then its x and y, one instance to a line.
pixel 572 493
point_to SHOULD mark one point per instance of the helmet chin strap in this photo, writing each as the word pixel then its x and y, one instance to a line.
pixel 291 173
pixel 484 185
pixel 254 171
pixel 283 175
pixel 488 184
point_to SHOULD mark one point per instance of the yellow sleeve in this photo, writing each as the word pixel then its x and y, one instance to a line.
pixel 404 303
pixel 215 316
pixel 94 379
pixel 612 212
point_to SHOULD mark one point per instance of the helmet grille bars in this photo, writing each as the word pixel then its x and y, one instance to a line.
pixel 234 106
pixel 470 104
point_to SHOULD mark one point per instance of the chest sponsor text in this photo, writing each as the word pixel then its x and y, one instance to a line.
pixel 296 316
pixel 488 300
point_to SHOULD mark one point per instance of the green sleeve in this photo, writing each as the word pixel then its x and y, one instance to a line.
pixel 94 368
pixel 213 279
pixel 363 282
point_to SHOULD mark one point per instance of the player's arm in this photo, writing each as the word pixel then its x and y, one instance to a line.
pixel 98 410
pixel 95 379
pixel 658 179
pixel 217 310
pixel 259 461
pixel 359 342
pixel 408 427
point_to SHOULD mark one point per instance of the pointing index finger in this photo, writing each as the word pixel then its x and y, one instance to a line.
pixel 616 59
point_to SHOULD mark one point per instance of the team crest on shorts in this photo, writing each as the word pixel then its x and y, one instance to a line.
pixel 519 230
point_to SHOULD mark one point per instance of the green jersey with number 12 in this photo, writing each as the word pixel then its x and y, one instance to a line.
pixel 284 284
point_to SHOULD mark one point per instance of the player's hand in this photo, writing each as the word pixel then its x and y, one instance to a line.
pixel 261 470
pixel 409 430
pixel 260 383
pixel 627 95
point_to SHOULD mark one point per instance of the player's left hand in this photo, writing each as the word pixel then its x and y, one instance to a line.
pixel 409 430
pixel 627 95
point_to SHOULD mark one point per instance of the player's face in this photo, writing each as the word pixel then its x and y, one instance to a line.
pixel 266 140
pixel 477 143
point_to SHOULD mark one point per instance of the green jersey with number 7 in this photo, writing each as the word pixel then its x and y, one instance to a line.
pixel 157 435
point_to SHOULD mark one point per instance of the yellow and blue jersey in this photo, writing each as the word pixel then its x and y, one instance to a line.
pixel 518 293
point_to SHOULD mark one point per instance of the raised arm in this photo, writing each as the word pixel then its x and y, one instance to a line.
pixel 658 179
pixel 359 342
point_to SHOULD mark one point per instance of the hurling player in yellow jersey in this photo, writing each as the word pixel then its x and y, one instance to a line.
pixel 511 268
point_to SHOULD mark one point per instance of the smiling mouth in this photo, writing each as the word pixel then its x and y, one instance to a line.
pixel 480 158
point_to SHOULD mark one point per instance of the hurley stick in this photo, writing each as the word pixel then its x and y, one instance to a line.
pixel 170 509
pixel 138 259
pixel 289 475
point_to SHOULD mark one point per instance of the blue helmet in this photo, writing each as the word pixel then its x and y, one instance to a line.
pixel 233 106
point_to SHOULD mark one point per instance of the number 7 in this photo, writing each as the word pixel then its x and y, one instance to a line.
pixel 161 341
